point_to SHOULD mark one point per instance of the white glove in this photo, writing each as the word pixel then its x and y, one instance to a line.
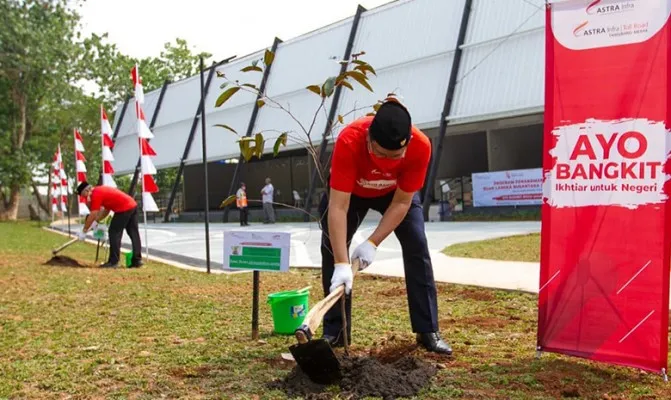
pixel 365 252
pixel 93 226
pixel 81 235
pixel 342 275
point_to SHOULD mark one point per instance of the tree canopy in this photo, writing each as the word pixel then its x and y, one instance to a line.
pixel 44 63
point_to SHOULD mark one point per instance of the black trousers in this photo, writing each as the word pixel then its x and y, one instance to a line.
pixel 244 215
pixel 126 220
pixel 419 281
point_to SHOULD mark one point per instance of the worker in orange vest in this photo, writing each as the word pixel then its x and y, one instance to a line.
pixel 241 202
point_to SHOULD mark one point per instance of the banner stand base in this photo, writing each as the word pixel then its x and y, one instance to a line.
pixel 666 377
pixel 539 352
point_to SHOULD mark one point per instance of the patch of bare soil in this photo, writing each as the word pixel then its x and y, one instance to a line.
pixel 389 371
pixel 364 377
pixel 65 261
pixel 393 292
pixel 486 322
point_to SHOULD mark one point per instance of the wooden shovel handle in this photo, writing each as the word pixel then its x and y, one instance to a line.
pixel 56 250
pixel 317 312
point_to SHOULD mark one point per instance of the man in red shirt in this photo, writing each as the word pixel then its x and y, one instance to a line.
pixel 102 200
pixel 380 163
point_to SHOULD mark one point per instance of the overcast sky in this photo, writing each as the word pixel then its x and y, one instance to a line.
pixel 221 27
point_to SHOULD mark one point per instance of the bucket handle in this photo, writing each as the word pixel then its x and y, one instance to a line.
pixel 299 291
pixel 304 289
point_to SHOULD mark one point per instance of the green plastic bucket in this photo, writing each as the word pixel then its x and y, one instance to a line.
pixel 289 309
pixel 129 258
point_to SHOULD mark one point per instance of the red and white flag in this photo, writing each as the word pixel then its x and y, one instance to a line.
pixel 55 184
pixel 63 180
pixel 81 171
pixel 137 83
pixel 143 130
pixel 107 145
pixel 146 151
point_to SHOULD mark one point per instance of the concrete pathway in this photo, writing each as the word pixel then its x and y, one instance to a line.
pixel 523 276
pixel 183 245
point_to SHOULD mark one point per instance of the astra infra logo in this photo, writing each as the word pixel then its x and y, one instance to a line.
pixel 580 29
pixel 597 7
pixel 591 8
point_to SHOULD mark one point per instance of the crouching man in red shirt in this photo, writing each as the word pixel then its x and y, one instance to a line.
pixel 380 163
pixel 102 200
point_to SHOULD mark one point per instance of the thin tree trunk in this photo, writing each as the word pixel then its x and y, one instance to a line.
pixel 11 212
pixel 42 203
pixel 3 197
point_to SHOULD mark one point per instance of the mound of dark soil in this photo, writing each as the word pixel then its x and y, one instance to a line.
pixel 364 377
pixel 64 261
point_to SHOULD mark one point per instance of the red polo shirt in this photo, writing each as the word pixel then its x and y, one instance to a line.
pixel 111 199
pixel 353 170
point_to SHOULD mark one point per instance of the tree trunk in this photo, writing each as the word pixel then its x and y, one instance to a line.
pixel 5 202
pixel 12 210
pixel 44 204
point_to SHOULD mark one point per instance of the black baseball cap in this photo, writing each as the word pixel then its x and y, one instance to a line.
pixel 82 186
pixel 392 126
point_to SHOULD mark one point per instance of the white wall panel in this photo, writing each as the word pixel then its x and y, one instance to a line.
pixel 169 142
pixel 236 112
pixel 491 19
pixel 126 154
pixel 411 45
pixel 307 60
pixel 180 101
pixel 500 77
pixel 421 86
pixel 408 30
pixel 303 105
pixel 221 143
pixel 129 123
pixel 232 73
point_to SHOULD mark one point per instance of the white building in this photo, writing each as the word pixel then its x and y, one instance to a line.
pixel 494 123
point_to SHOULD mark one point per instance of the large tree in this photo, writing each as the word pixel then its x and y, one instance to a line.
pixel 39 57
pixel 43 62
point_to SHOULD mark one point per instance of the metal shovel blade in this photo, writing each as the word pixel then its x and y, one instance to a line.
pixel 317 360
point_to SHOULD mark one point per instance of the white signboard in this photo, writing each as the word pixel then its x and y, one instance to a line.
pixel 258 251
pixel 589 24
pixel 520 187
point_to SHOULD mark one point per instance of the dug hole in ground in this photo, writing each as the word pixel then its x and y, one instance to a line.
pixel 389 370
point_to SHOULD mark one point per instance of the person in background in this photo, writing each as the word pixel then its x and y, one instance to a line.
pixel 103 199
pixel 241 202
pixel 267 197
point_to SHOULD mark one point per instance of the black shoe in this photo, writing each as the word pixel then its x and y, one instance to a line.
pixel 137 264
pixel 433 342
pixel 109 265
pixel 334 341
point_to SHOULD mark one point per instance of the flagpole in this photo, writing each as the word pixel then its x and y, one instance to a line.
pixel 144 210
pixel 74 151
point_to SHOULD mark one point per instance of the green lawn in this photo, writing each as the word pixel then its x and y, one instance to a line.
pixel 511 248
pixel 162 332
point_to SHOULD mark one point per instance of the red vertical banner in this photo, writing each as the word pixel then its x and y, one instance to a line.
pixel 606 215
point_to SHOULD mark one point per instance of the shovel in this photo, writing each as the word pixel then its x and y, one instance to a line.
pixel 59 249
pixel 315 356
